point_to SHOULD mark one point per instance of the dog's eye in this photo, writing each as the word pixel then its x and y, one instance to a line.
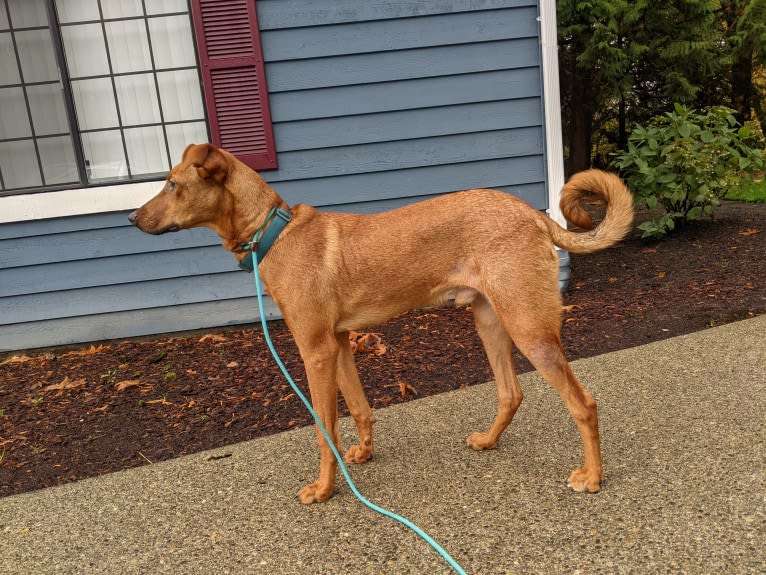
pixel 171 185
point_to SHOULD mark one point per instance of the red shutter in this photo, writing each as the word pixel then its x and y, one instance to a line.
pixel 231 60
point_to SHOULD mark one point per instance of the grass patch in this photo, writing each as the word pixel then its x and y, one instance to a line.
pixel 753 191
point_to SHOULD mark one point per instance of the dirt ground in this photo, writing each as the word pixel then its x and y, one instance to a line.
pixel 73 413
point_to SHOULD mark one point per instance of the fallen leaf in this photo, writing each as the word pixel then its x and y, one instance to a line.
pixel 749 232
pixel 570 308
pixel 126 384
pixel 649 251
pixel 162 401
pixel 613 280
pixel 214 337
pixel 406 389
pixel 366 343
pixel 16 359
pixel 661 275
pixel 66 383
pixel 92 350
pixel 232 364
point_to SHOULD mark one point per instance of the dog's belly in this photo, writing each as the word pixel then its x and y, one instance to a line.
pixel 376 313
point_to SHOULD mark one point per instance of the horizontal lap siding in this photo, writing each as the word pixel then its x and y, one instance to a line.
pixel 373 105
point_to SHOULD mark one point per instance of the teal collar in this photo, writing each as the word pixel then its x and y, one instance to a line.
pixel 264 237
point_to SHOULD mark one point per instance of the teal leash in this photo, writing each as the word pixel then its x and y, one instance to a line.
pixel 403 520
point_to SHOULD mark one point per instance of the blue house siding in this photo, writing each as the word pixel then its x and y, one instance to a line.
pixel 373 105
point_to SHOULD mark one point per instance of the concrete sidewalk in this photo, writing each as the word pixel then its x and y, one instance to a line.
pixel 684 443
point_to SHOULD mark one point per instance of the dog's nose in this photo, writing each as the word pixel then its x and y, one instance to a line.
pixel 133 216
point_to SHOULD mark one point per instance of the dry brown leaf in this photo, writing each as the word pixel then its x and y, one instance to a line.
pixel 570 308
pixel 162 401
pixel 232 364
pixel 126 384
pixel 214 337
pixel 17 359
pixel 66 383
pixel 366 343
pixel 92 350
pixel 661 275
pixel 406 389
pixel 749 232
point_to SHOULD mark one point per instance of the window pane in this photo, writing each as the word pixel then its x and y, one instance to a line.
pixel 146 150
pixel 94 101
pixel 165 6
pixel 104 156
pixel 28 13
pixel 122 8
pixel 9 71
pixel 128 46
pixel 181 135
pixel 138 101
pixel 46 101
pixel 14 120
pixel 18 164
pixel 58 160
pixel 36 55
pixel 85 50
pixel 180 95
pixel 78 10
pixel 3 16
pixel 172 42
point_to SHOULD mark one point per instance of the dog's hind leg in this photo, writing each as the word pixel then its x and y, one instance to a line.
pixel 498 346
pixel 545 353
pixel 353 394
pixel 320 356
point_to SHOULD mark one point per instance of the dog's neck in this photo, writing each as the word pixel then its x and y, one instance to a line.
pixel 252 200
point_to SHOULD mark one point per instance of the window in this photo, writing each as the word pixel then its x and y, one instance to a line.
pixel 100 91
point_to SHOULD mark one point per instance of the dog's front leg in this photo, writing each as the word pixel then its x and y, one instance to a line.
pixel 353 394
pixel 321 360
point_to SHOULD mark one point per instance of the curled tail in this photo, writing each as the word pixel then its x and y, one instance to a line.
pixel 616 224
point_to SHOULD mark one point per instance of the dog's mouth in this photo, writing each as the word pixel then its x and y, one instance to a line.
pixel 165 230
pixel 147 226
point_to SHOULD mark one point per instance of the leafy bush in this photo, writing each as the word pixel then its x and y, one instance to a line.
pixel 686 161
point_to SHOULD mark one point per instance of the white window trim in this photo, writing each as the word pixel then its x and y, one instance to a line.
pixel 554 153
pixel 76 202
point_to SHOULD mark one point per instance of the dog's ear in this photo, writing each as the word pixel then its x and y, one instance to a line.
pixel 210 162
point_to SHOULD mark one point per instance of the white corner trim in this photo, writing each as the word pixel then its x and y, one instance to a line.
pixel 77 202
pixel 554 155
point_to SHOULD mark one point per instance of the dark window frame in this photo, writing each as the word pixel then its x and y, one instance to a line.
pixel 235 133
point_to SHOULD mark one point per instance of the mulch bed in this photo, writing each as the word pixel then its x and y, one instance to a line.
pixel 68 414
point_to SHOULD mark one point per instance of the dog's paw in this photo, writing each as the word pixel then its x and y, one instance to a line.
pixel 584 481
pixel 313 493
pixel 481 441
pixel 358 454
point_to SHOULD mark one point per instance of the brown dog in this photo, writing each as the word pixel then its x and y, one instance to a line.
pixel 331 273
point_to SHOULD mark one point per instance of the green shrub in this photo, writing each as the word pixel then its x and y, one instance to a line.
pixel 686 161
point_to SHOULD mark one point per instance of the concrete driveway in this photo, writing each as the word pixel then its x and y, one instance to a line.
pixel 684 443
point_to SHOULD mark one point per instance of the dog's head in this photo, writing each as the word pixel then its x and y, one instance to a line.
pixel 194 194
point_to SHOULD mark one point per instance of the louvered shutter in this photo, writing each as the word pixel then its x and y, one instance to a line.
pixel 231 61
